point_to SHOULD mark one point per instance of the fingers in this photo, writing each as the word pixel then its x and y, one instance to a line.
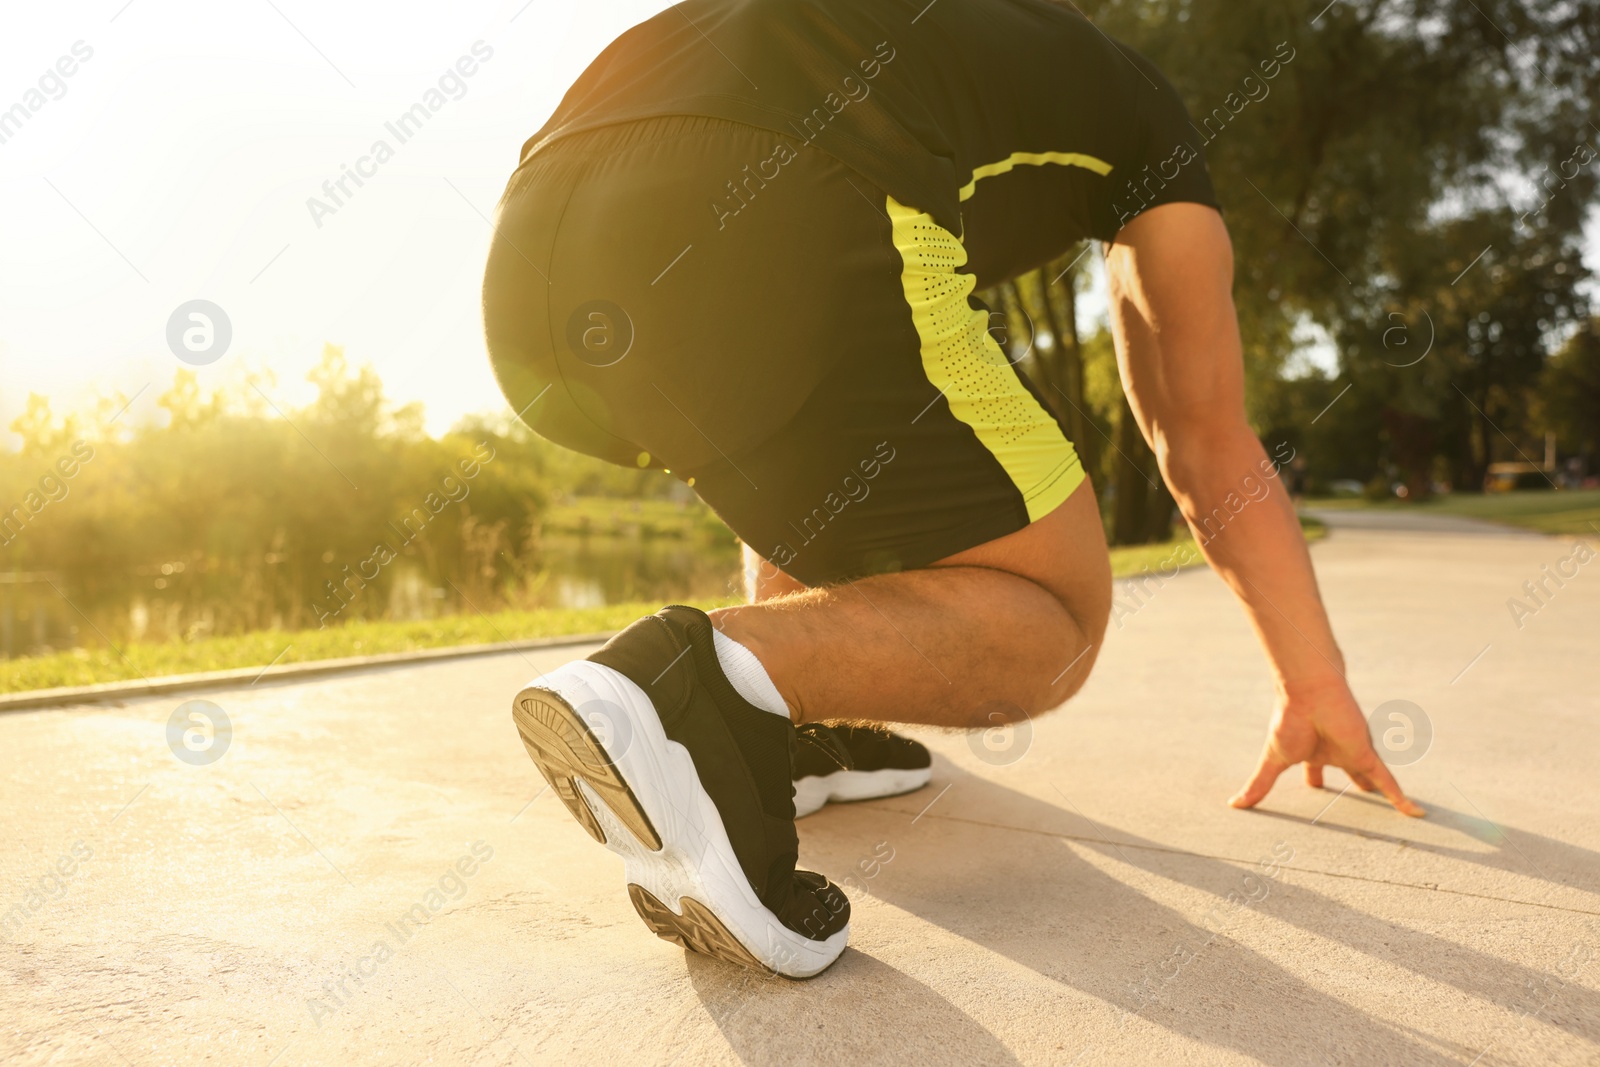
pixel 1392 792
pixel 1314 775
pixel 1261 782
pixel 1363 781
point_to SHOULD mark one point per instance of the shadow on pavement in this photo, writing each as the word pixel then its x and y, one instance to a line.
pixel 861 1010
pixel 1515 851
pixel 1022 893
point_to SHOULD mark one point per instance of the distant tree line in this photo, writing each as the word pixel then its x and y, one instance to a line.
pixel 233 517
pixel 1415 179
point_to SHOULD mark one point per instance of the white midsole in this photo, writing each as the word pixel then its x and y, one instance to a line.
pixel 696 859
pixel 813 791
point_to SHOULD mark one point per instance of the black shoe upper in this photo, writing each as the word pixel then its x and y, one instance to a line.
pixel 819 751
pixel 824 749
pixel 743 755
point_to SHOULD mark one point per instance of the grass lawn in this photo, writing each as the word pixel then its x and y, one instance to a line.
pixel 1129 560
pixel 1562 512
pixel 89 667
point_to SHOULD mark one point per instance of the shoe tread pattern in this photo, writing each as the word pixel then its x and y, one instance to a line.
pixel 565 750
pixel 697 929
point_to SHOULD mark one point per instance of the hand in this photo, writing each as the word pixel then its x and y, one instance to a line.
pixel 1317 727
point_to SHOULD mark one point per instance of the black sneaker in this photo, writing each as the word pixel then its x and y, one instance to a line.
pixel 654 752
pixel 855 763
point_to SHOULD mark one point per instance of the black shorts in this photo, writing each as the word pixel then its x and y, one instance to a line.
pixel 804 351
pixel 775 300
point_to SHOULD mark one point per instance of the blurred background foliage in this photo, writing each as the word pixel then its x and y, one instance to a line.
pixel 235 517
pixel 1406 195
pixel 1415 179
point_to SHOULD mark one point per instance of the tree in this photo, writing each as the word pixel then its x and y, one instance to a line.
pixel 43 435
pixel 1570 395
pixel 1367 154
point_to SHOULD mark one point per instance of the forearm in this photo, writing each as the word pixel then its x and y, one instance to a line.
pixel 1170 279
pixel 1230 495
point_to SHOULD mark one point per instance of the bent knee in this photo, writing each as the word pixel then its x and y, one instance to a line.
pixel 1050 693
pixel 1054 676
pixel 1043 688
pixel 1090 611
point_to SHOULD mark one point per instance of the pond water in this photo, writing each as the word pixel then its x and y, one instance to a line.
pixel 586 572
pixel 37 616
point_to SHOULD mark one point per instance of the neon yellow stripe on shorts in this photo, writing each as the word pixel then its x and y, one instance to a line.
pixel 1034 159
pixel 964 363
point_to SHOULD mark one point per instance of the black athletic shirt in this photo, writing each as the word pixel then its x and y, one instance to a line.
pixel 923 99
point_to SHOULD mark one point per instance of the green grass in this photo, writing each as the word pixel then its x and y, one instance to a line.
pixel 1128 560
pixel 152 660
pixel 89 667
pixel 1563 512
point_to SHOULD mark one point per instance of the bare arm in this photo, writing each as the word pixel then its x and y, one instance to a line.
pixel 1177 336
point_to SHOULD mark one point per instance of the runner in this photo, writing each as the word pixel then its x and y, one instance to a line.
pixel 744 249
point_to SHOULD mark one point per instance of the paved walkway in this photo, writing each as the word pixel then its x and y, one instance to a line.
pixel 1080 897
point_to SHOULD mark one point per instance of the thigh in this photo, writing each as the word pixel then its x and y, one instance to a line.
pixel 1064 552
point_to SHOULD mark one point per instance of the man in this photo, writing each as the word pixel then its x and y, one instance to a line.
pixel 744 250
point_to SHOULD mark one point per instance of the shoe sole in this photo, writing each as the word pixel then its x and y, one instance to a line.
pixel 814 791
pixel 636 792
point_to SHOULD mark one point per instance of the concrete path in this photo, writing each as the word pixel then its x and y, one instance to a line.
pixel 1401 520
pixel 1077 896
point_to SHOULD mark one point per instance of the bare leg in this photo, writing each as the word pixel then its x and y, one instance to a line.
pixel 999 631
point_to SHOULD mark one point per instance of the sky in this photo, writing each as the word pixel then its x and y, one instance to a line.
pixel 178 159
